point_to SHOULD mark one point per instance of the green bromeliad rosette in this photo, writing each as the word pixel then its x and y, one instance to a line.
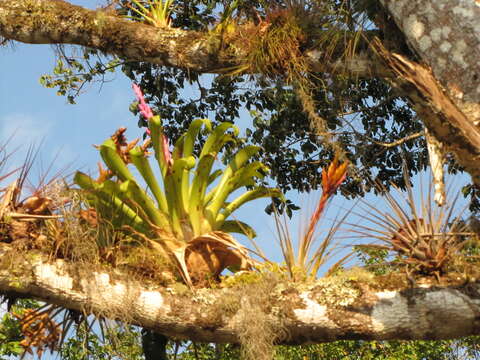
pixel 186 214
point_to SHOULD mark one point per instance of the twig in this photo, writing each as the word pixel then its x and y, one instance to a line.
pixel 400 141
pixel 15 215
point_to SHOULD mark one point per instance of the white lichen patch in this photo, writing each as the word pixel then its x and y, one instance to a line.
pixel 459 52
pixel 424 43
pixel 390 313
pixel 445 46
pixel 423 314
pixel 448 307
pixel 52 277
pixel 446 30
pixel 463 11
pixel 436 34
pixel 313 313
pixel 150 300
pixel 414 27
pixel 430 12
pixel 102 279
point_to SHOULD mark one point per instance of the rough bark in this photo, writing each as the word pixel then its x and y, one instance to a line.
pixel 445 87
pixel 331 309
pixel 58 22
pixel 444 119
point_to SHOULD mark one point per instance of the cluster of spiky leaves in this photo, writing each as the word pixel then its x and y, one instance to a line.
pixel 184 214
pixel 425 238
pixel 154 12
pixel 302 263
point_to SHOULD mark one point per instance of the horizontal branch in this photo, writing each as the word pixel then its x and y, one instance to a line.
pixel 331 309
pixel 58 22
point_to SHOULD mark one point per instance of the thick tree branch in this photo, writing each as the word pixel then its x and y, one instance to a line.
pixel 441 115
pixel 332 309
pixel 58 22
pixel 446 36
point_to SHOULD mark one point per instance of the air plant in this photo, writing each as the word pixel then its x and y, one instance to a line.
pixel 154 12
pixel 305 263
pixel 185 215
pixel 425 237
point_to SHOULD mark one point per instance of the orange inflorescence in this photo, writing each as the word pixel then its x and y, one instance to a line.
pixel 332 178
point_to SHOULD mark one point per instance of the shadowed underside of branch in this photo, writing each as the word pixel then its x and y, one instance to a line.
pixel 324 311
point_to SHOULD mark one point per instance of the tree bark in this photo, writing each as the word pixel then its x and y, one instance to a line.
pixel 444 87
pixel 58 22
pixel 331 309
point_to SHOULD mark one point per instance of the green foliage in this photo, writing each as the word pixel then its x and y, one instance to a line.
pixel 10 337
pixel 375 259
pixel 154 12
pixel 117 343
pixel 72 72
pixel 182 205
pixel 10 331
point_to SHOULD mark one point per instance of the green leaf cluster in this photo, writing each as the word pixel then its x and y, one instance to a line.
pixel 187 202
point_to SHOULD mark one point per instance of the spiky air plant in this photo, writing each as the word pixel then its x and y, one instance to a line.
pixel 153 12
pixel 306 262
pixel 423 236
pixel 185 215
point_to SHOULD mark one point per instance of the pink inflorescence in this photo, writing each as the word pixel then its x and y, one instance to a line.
pixel 142 106
pixel 147 113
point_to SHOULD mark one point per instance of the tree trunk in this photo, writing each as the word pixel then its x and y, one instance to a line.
pixel 444 87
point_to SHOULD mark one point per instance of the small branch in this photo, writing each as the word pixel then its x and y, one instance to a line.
pixel 15 215
pixel 400 141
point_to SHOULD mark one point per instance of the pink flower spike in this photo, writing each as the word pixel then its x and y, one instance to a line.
pixel 138 92
pixel 145 110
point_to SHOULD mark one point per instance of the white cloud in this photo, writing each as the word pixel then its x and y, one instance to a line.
pixel 23 129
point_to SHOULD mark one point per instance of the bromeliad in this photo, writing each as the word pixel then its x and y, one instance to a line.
pixel 186 213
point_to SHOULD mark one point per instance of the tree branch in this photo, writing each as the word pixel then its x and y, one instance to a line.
pixel 446 36
pixel 332 309
pixel 58 22
pixel 435 107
